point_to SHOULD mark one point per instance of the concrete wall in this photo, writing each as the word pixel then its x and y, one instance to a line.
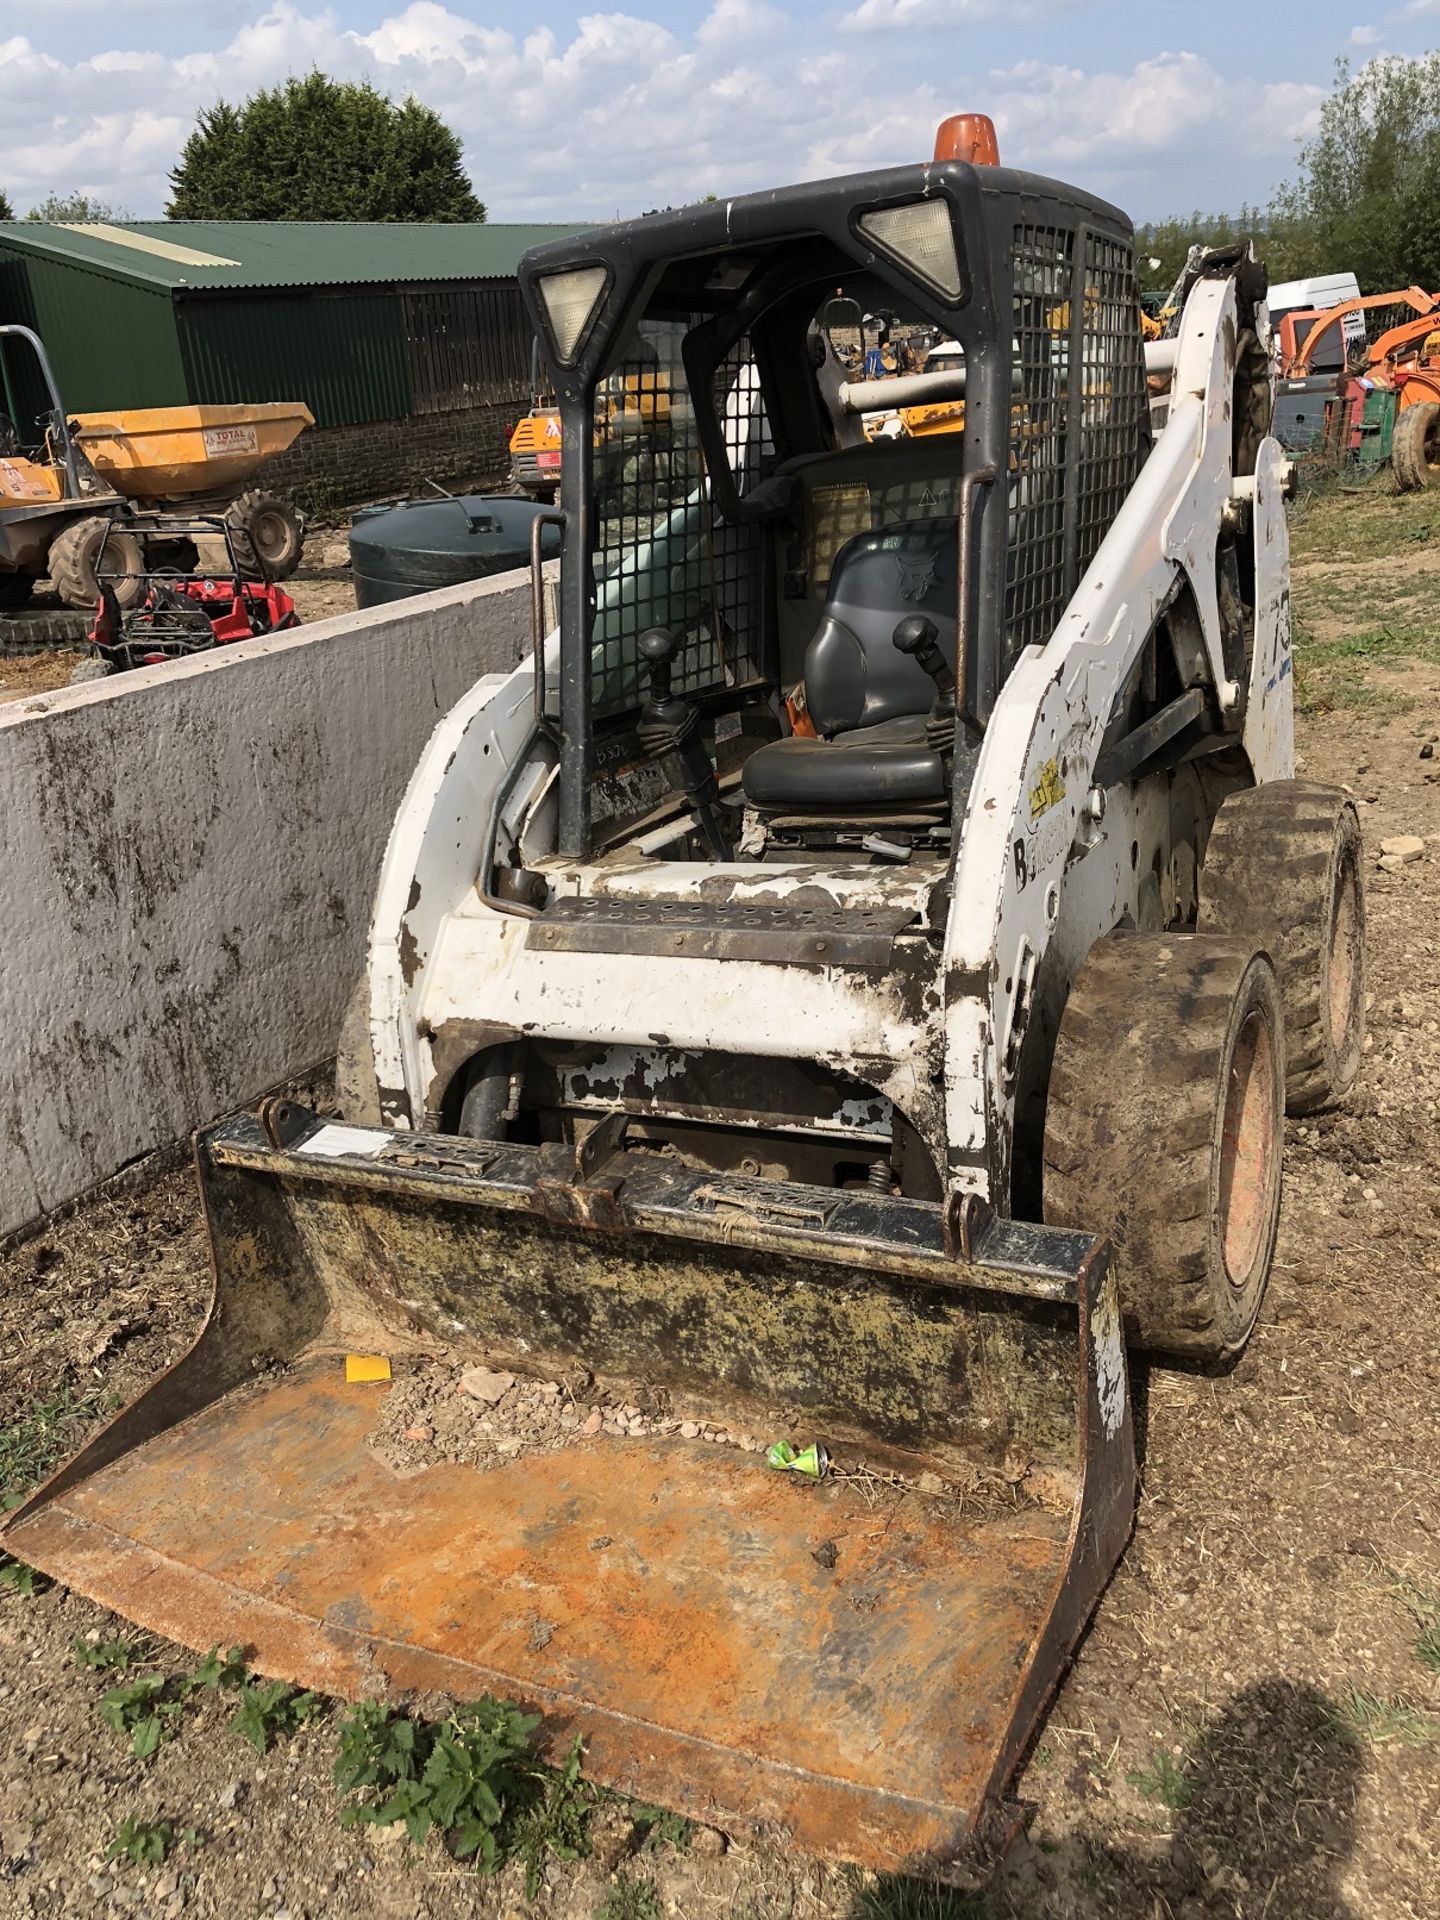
pixel 465 450
pixel 187 859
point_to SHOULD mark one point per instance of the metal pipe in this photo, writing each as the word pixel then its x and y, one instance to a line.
pixel 902 390
pixel 62 426
pixel 1161 355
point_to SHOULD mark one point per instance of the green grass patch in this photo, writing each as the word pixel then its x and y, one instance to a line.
pixel 898 1897
pixel 633 1897
pixel 42 1436
pixel 1380 1720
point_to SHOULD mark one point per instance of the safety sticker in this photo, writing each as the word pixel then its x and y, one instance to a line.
pixel 1047 792
pixel 329 1142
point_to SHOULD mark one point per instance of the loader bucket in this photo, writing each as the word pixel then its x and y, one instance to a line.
pixel 857 1660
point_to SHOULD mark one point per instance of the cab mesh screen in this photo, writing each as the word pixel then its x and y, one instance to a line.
pixel 664 555
pixel 1077 443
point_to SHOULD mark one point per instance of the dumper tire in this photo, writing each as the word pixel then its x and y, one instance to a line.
pixel 1164 1130
pixel 357 1088
pixel 1283 867
pixel 74 552
pixel 269 530
pixel 1415 448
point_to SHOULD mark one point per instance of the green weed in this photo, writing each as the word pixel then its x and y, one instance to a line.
pixel 16 1577
pixel 630 1899
pixel 1162 1780
pixel 221 1671
pixel 145 1709
pixel 141 1843
pixel 658 1827
pixel 107 1656
pixel 269 1710
pixel 474 1776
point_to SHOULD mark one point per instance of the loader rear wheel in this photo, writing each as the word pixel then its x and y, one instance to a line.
pixel 74 552
pixel 1283 869
pixel 266 529
pixel 1415 450
pixel 1164 1129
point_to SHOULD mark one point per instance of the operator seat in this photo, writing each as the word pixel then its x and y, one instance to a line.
pixel 867 699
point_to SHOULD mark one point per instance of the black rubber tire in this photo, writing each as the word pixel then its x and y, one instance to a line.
pixel 72 557
pixel 1168 1080
pixel 269 530
pixel 15 591
pixel 1284 868
pixel 86 670
pixel 1415 449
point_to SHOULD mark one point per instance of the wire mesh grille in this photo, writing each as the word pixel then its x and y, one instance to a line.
pixel 1114 407
pixel 1078 433
pixel 664 554
pixel 1042 262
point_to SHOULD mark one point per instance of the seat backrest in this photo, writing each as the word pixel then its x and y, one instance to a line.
pixel 854 673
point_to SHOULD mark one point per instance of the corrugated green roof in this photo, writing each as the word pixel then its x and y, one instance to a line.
pixel 283 253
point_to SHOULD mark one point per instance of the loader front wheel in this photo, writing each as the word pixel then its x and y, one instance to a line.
pixel 1283 868
pixel 1164 1129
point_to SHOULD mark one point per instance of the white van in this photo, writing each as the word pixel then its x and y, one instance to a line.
pixel 1319 293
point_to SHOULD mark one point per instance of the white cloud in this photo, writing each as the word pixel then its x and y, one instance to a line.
pixel 619 113
pixel 884 16
pixel 1364 37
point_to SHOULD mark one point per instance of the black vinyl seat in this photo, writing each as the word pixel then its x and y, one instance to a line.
pixel 867 699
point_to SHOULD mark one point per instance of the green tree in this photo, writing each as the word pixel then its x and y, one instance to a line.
pixel 7 212
pixel 76 209
pixel 1368 195
pixel 321 149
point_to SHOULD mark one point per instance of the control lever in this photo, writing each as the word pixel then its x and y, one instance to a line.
pixel 669 728
pixel 918 636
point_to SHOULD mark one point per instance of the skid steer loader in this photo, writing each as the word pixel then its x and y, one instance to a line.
pixel 856 1073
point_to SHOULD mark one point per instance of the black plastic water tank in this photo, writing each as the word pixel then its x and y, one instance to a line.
pixel 423 544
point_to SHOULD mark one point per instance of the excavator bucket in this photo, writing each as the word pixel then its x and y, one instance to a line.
pixel 857 1659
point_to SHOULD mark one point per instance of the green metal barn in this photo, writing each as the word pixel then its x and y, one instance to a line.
pixel 364 322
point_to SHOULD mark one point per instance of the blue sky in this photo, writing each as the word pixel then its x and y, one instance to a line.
pixel 604 110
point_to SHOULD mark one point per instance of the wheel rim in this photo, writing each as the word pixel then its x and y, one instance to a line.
pixel 1248 1150
pixel 1342 977
pixel 269 533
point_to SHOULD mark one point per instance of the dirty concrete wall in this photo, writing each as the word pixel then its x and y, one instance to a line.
pixel 187 859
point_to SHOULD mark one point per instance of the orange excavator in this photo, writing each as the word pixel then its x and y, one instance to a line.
pixel 1404 360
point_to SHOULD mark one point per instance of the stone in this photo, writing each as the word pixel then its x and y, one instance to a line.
pixel 1403 847
pixel 593 1421
pixel 689 1430
pixel 707 1843
pixel 228 1795
pixel 930 1483
pixel 486 1386
pixel 421 1434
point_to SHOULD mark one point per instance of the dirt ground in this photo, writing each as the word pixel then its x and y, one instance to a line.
pixel 1252 1726
pixel 320 588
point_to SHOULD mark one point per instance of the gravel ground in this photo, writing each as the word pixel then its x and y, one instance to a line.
pixel 1252 1727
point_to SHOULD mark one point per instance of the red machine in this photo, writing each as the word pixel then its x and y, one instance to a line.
pixel 181 609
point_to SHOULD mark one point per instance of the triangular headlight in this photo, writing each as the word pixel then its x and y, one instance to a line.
pixel 919 235
pixel 571 300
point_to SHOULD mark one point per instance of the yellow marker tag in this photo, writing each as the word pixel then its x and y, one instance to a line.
pixel 1048 792
pixel 366 1366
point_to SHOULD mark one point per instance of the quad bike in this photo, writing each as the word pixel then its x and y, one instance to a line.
pixel 178 612
pixel 869 1085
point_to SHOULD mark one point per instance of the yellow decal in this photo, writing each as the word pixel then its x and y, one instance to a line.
pixel 366 1366
pixel 1048 791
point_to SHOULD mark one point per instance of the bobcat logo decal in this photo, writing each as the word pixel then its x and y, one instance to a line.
pixel 917 574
